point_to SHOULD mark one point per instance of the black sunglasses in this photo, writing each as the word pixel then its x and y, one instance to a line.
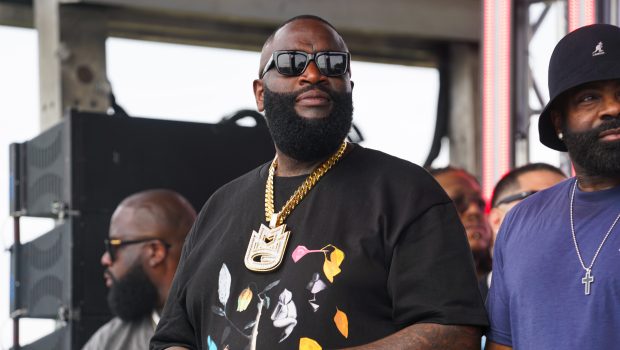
pixel 113 245
pixel 293 63
pixel 515 197
pixel 462 203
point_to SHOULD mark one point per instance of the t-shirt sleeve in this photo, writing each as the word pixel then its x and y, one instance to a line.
pixel 432 278
pixel 174 327
pixel 497 299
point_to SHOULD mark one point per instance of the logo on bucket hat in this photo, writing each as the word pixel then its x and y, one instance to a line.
pixel 599 49
pixel 572 64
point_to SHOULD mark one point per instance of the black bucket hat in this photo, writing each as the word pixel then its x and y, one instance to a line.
pixel 588 54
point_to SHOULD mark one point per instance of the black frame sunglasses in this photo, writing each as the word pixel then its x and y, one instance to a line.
pixel 113 245
pixel 294 63
pixel 462 202
pixel 514 197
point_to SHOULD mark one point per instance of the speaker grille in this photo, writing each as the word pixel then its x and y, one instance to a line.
pixel 43 273
pixel 42 155
pixel 41 256
pixel 46 290
pixel 46 171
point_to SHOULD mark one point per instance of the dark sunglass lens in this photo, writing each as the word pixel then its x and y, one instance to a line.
pixel 291 63
pixel 109 249
pixel 461 203
pixel 332 63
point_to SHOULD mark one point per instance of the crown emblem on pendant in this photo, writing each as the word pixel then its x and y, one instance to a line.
pixel 266 248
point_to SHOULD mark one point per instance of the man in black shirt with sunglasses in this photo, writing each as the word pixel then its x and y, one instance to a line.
pixel 147 231
pixel 329 246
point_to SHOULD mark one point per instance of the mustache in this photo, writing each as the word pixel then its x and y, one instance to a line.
pixel 324 89
pixel 109 273
pixel 612 124
pixel 608 125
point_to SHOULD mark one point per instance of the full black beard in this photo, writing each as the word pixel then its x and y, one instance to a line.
pixel 595 157
pixel 133 296
pixel 302 139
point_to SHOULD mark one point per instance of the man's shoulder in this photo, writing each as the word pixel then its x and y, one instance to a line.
pixel 386 177
pixel 378 164
pixel 104 334
pixel 538 212
pixel 111 327
pixel 116 334
pixel 541 200
pixel 379 157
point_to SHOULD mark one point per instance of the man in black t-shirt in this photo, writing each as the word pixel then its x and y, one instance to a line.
pixel 331 245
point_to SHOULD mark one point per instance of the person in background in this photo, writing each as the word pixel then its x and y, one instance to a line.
pixel 465 191
pixel 510 190
pixel 519 184
pixel 555 271
pixel 147 231
pixel 331 245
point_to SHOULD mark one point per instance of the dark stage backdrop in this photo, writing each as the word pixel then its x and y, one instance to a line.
pixel 77 172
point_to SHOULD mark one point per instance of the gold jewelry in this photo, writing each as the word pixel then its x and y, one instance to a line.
pixel 267 246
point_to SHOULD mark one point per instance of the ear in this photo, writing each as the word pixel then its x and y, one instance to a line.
pixel 556 119
pixel 157 253
pixel 259 94
pixel 496 215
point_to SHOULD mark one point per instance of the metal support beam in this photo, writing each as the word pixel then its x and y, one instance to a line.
pixel 524 80
pixel 447 20
pixel 464 127
pixel 245 34
pixel 72 64
pixel 16 15
pixel 399 31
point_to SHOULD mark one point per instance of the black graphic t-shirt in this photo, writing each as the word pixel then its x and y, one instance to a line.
pixel 374 247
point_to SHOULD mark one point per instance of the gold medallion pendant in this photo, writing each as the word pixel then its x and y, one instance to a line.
pixel 267 246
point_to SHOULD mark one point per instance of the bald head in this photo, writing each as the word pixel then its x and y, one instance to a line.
pixel 161 213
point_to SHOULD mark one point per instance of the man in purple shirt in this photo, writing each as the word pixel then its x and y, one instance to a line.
pixel 555 271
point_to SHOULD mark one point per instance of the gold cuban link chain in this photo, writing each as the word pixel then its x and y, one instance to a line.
pixel 301 191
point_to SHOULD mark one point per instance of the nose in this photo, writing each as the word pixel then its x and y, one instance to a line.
pixel 611 106
pixel 312 75
pixel 106 260
pixel 473 212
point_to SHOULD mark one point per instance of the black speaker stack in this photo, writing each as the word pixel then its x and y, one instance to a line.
pixel 76 173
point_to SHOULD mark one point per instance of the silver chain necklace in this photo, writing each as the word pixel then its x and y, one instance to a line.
pixel 587 278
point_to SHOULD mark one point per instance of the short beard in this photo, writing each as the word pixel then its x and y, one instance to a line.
pixel 302 139
pixel 595 157
pixel 133 296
